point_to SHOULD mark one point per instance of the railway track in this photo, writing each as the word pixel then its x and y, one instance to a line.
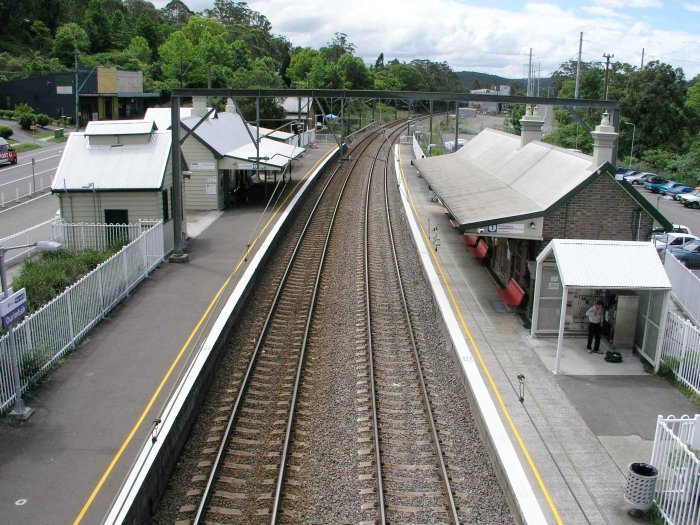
pixel 413 484
pixel 324 417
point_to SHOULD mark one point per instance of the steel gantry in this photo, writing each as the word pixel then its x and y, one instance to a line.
pixel 410 98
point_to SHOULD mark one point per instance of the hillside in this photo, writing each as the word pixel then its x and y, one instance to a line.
pixel 470 79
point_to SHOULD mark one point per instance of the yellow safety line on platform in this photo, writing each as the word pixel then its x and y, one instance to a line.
pixel 174 364
pixel 476 350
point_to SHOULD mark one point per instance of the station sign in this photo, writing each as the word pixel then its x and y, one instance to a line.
pixel 13 307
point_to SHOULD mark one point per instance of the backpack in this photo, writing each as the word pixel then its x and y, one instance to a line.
pixel 613 357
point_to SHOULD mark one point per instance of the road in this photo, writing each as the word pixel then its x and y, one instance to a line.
pixel 21 178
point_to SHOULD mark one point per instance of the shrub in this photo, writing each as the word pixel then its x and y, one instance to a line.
pixel 5 132
pixel 7 114
pixel 43 120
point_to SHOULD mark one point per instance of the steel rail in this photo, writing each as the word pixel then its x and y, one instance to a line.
pixel 373 392
pixel 444 477
pixel 307 330
pixel 206 495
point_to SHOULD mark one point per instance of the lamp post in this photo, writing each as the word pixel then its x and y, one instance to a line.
pixel 15 312
pixel 634 129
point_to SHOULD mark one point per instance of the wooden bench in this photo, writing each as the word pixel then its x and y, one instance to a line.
pixel 470 240
pixel 480 250
pixel 512 294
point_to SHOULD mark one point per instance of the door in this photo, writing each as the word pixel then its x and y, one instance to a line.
pixel 118 232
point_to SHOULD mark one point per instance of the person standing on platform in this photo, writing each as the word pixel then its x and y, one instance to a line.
pixel 595 316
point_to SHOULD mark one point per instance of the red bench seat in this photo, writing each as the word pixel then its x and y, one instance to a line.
pixel 480 250
pixel 512 294
pixel 470 240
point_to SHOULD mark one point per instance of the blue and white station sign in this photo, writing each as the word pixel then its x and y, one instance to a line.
pixel 13 307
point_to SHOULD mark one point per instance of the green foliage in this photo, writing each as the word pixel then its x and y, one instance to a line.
pixel 69 39
pixel 5 132
pixel 516 114
pixel 571 136
pixel 48 275
pixel 24 115
pixel 42 119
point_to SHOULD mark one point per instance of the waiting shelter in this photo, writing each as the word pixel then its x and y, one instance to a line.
pixel 573 274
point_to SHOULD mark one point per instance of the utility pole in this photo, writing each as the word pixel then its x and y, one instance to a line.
pixel 578 66
pixel 642 65
pixel 529 75
pixel 607 65
pixel 77 99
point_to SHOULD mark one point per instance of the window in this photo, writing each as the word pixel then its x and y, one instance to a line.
pixel 166 206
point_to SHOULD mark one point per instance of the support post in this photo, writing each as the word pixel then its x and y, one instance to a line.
pixel 178 215
pixel 560 338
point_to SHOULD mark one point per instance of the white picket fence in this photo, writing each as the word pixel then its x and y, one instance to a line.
pixel 48 334
pixel 677 490
pixel 681 350
pixel 686 287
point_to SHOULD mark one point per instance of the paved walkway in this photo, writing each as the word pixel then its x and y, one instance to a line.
pixel 582 428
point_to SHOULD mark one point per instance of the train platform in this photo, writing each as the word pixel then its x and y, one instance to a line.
pixel 91 416
pixel 576 432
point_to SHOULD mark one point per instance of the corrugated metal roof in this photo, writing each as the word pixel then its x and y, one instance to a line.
pixel 271 133
pixel 607 264
pixel 161 116
pixel 128 167
pixel 274 153
pixel 119 127
pixel 224 133
pixel 492 177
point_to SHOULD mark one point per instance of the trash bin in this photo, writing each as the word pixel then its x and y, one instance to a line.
pixel 58 133
pixel 641 480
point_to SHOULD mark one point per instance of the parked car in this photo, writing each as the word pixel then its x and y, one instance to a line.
pixel 7 152
pixel 690 200
pixel 674 189
pixel 668 240
pixel 638 177
pixel 655 183
pixel 688 253
pixel 677 228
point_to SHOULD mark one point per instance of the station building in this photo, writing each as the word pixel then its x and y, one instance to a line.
pixel 514 195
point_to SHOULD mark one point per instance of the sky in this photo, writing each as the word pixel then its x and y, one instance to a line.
pixel 497 40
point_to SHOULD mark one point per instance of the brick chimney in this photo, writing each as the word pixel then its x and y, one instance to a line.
pixel 604 139
pixel 531 125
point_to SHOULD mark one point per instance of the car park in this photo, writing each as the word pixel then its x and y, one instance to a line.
pixel 688 253
pixel 638 178
pixel 676 228
pixel 655 183
pixel 674 189
pixel 671 240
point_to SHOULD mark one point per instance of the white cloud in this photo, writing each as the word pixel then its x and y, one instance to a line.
pixel 695 8
pixel 476 37
pixel 639 4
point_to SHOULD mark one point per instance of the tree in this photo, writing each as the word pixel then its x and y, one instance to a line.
pixel 138 50
pixel 69 39
pixel 336 48
pixel 300 65
pixel 654 99
pixel 176 13
pixel 97 27
pixel 325 74
pixel 379 63
pixel 355 73
pixel 121 35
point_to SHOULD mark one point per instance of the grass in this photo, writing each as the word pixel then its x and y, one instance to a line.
pixel 19 148
pixel 60 139
pixel 667 370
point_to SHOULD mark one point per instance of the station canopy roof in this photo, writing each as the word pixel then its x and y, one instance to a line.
pixel 161 116
pixel 493 178
pixel 608 265
pixel 273 153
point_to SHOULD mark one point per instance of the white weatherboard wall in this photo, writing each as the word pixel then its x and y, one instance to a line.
pixel 528 506
pixel 197 157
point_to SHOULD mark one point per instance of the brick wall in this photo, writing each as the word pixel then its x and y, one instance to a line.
pixel 602 210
